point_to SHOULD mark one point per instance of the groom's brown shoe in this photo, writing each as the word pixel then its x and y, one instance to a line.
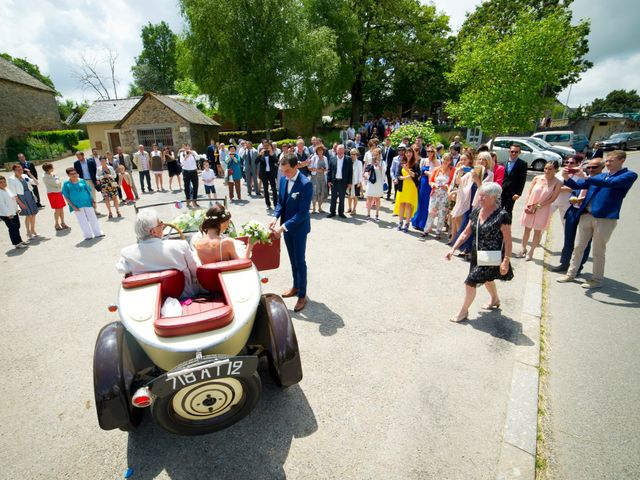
pixel 292 292
pixel 300 304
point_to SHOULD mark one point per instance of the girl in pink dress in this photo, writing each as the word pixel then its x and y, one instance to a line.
pixel 537 213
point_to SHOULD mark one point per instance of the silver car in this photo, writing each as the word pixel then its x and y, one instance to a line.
pixel 564 152
pixel 535 156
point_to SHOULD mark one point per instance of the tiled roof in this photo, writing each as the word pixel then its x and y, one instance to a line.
pixel 102 111
pixel 8 71
pixel 186 110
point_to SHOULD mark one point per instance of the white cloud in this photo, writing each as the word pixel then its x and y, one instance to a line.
pixel 612 74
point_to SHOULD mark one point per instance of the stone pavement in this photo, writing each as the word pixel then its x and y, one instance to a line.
pixel 593 387
pixel 391 388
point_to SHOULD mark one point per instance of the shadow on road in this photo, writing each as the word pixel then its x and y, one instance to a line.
pixel 319 313
pixel 627 295
pixel 499 326
pixel 255 447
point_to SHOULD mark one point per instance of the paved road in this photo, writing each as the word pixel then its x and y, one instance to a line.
pixel 391 390
pixel 594 382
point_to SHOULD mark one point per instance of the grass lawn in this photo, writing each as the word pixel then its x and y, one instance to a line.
pixel 82 145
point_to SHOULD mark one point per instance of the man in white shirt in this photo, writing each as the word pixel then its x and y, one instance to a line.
pixel 142 159
pixel 189 164
pixel 152 254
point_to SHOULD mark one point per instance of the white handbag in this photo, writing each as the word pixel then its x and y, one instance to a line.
pixel 487 258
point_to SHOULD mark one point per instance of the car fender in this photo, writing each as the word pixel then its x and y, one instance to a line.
pixel 273 329
pixel 116 360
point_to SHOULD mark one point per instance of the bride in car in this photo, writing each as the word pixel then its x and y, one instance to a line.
pixel 212 246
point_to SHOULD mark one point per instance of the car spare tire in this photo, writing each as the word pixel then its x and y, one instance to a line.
pixel 208 406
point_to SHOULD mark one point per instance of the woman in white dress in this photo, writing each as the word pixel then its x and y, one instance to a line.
pixel 356 181
pixel 375 176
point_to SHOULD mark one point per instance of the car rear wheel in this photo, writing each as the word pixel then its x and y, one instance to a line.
pixel 538 165
pixel 623 146
pixel 208 406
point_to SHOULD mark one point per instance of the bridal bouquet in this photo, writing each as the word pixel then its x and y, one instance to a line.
pixel 189 221
pixel 256 232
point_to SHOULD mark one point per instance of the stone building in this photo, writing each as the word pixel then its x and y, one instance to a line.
pixel 152 118
pixel 26 104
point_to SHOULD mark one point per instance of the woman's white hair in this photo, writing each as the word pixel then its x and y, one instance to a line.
pixel 491 189
pixel 145 221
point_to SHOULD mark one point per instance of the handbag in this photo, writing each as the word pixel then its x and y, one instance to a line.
pixel 487 258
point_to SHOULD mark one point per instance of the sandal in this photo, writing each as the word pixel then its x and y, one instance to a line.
pixel 65 226
pixel 119 215
pixel 59 227
pixel 491 306
pixel 522 254
pixel 458 319
pixel 110 215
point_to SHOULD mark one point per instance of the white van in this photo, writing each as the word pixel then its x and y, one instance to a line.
pixel 566 138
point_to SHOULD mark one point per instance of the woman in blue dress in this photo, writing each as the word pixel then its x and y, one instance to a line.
pixel 419 220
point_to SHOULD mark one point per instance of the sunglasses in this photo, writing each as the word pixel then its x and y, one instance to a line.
pixel 591 168
pixel 514 151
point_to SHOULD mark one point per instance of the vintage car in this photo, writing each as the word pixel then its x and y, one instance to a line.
pixel 197 372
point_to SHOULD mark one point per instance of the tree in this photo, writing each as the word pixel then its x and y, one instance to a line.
pixel 506 81
pixel 31 69
pixel 617 101
pixel 72 110
pixel 90 75
pixel 390 50
pixel 249 56
pixel 156 67
pixel 501 16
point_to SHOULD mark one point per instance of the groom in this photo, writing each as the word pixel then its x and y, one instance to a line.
pixel 294 200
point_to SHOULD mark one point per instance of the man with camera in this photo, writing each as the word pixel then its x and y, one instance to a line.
pixel 188 162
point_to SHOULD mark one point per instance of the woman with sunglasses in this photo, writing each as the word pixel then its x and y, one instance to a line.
pixel 563 202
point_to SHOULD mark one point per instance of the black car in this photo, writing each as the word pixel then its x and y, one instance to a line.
pixel 621 141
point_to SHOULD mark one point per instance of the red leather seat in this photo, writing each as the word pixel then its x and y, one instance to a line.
pixel 171 282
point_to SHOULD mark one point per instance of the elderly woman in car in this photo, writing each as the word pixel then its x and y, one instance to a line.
pixel 151 253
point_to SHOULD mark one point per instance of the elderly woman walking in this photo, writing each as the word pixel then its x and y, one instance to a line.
pixel 490 228
pixel 78 196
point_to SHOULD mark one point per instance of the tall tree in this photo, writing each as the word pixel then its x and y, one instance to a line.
pixel 31 68
pixel 506 81
pixel 156 67
pixel 617 101
pixel 246 55
pixel 501 17
pixel 390 50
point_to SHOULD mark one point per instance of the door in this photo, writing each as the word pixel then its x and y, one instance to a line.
pixel 114 141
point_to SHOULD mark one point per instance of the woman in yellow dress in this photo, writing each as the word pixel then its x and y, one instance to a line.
pixel 407 188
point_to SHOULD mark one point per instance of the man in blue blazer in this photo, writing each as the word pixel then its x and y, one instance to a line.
pixel 294 200
pixel 600 211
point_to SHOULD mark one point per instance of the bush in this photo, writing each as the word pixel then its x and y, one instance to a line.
pixel 68 138
pixel 277 134
pixel 413 130
pixel 34 149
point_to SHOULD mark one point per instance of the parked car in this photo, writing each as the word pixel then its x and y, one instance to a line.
pixel 564 152
pixel 531 153
pixel 566 138
pixel 621 141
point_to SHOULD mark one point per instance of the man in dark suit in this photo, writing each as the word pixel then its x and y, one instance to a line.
pixel 388 154
pixel 268 172
pixel 87 169
pixel 292 210
pixel 515 176
pixel 339 180
pixel 22 160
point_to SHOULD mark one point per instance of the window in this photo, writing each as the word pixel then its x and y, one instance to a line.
pixel 502 144
pixel 523 147
pixel 160 136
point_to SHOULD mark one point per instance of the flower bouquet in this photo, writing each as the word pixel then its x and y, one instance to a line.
pixel 256 232
pixel 189 221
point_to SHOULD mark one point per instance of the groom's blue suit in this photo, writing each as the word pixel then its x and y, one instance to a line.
pixel 293 212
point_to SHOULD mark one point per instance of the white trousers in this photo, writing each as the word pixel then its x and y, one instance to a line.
pixel 88 222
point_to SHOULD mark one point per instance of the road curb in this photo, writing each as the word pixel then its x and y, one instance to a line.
pixel 518 449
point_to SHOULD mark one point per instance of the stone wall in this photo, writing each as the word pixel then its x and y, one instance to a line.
pixel 24 109
pixel 201 135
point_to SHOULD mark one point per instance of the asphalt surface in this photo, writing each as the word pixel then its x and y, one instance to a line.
pixel 593 430
pixel 391 389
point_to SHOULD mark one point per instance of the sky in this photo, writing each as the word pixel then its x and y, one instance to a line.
pixel 54 34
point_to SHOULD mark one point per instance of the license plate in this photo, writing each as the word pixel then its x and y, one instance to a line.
pixel 171 382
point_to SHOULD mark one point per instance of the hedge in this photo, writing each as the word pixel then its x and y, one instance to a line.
pixel 415 129
pixel 277 134
pixel 34 149
pixel 68 138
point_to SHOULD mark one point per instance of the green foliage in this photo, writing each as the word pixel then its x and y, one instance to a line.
pixel 505 86
pixel 414 130
pixel 617 101
pixel 34 149
pixel 31 69
pixel 390 51
pixel 291 141
pixel 276 134
pixel 155 69
pixel 502 16
pixel 67 138
pixel 69 106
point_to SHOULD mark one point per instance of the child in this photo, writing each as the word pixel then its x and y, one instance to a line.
pixel 124 180
pixel 208 175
